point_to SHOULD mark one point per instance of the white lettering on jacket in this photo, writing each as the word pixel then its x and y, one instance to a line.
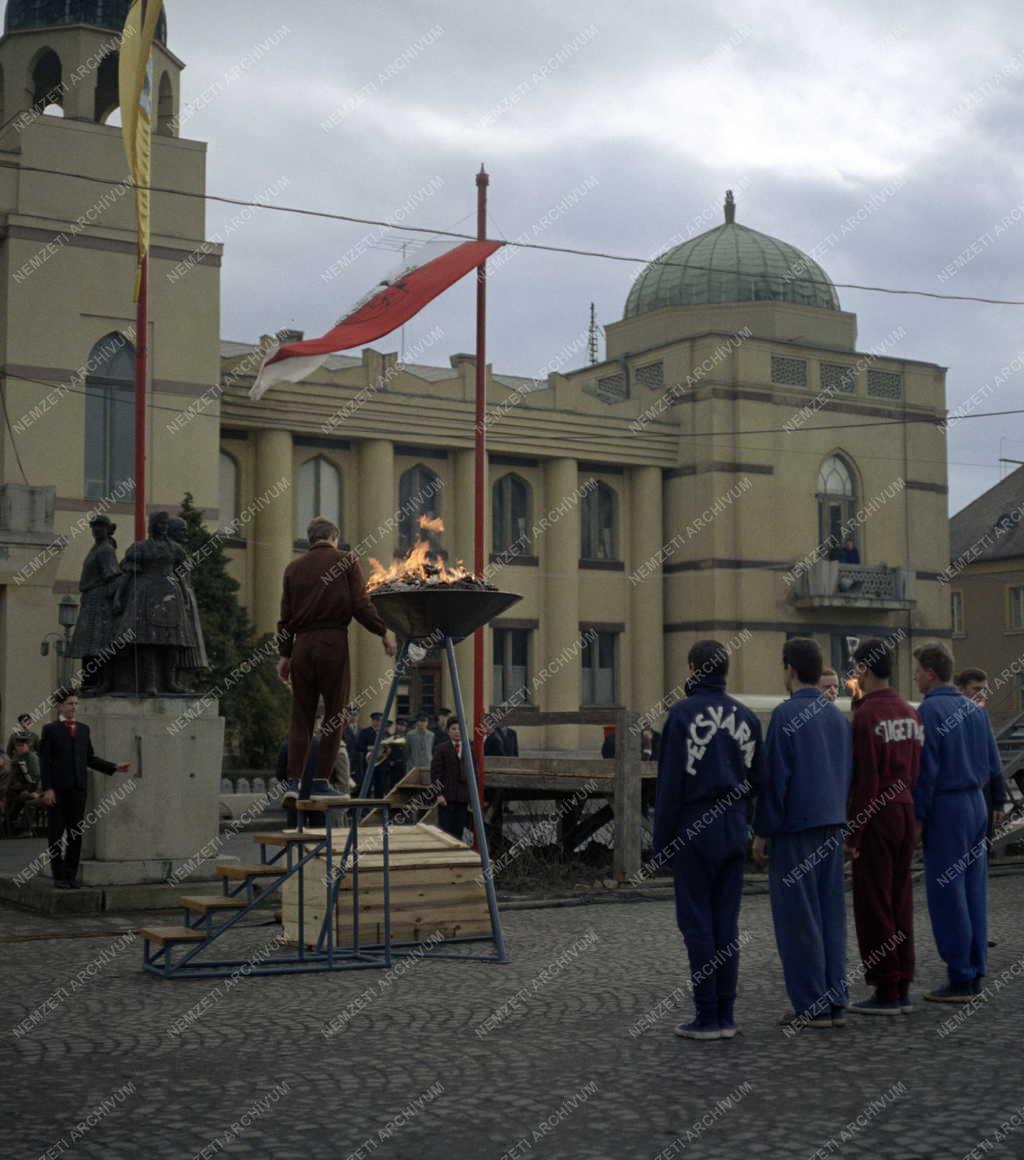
pixel 704 727
pixel 900 729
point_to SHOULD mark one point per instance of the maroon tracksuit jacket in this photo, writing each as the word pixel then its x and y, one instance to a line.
pixel 887 739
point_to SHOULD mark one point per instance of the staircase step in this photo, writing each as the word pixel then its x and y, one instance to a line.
pixel 242 870
pixel 317 805
pixel 204 904
pixel 283 837
pixel 165 935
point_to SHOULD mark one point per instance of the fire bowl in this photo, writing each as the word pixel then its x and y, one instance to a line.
pixel 430 614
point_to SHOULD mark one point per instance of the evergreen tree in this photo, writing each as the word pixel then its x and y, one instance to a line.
pixel 242 673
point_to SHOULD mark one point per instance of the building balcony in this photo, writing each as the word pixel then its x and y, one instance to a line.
pixel 832 584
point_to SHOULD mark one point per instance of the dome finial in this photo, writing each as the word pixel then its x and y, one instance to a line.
pixel 730 207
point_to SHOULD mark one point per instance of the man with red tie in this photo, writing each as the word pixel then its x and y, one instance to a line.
pixel 448 778
pixel 65 753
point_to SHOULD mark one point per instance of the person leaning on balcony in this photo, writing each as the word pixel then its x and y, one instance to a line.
pixel 959 758
pixel 323 591
pixel 850 553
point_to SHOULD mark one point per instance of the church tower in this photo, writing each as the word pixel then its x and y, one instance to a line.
pixel 67 315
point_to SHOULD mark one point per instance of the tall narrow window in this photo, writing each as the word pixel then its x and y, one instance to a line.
pixel 418 495
pixel 956 602
pixel 317 493
pixel 1016 617
pixel 599 677
pixel 597 524
pixel 109 418
pixel 166 122
pixel 837 504
pixel 228 492
pixel 511 653
pixel 46 83
pixel 511 510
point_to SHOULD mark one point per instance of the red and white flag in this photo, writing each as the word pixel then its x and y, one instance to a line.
pixel 390 305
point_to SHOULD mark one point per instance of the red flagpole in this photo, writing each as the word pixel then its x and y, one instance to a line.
pixel 141 382
pixel 480 448
pixel 141 375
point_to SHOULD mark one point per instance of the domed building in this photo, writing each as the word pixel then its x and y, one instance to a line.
pixel 716 474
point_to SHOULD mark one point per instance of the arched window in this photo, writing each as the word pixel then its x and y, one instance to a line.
pixel 318 493
pixel 228 492
pixel 46 83
pixel 109 418
pixel 598 533
pixel 511 511
pixel 418 495
pixel 837 503
pixel 166 123
pixel 107 96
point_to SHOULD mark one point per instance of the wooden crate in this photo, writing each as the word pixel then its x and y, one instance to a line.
pixel 436 888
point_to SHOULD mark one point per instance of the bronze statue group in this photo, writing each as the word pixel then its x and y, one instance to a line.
pixel 138 630
pixel 824 791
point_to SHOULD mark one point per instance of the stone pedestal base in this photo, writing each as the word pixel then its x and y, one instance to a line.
pixel 161 820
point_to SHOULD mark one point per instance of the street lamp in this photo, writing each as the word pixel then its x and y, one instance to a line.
pixel 67 615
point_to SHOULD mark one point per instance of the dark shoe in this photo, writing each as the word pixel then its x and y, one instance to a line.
pixel 906 1004
pixel 74 884
pixel 977 984
pixel 838 1016
pixel 323 788
pixel 62 884
pixel 992 942
pixel 728 1028
pixel 876 1006
pixel 820 1022
pixel 950 993
pixel 699 1029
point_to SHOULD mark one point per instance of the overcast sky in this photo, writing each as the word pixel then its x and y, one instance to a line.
pixel 642 115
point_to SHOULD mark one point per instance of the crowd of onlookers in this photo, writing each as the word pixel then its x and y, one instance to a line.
pixel 20 791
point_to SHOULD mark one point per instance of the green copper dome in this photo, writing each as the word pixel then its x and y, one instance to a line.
pixel 731 263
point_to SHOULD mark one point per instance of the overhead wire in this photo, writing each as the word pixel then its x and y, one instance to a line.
pixel 352 219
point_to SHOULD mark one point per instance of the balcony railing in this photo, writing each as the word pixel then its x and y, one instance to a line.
pixel 832 584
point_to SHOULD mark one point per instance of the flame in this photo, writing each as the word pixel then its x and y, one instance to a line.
pixel 853 687
pixel 421 566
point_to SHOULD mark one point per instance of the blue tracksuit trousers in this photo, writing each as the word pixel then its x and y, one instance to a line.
pixel 956 879
pixel 805 882
pixel 708 870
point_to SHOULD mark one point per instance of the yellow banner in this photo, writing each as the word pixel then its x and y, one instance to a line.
pixel 136 97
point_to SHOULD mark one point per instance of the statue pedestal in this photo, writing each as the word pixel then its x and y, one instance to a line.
pixel 161 820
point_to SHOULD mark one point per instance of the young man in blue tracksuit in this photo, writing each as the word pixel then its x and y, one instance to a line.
pixel 800 823
pixel 959 760
pixel 709 759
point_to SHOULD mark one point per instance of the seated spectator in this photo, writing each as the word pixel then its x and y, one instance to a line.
pixel 24 730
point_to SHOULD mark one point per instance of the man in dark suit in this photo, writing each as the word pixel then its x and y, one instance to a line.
pixel 441 728
pixel 65 752
pixel 501 741
pixel 350 739
pixel 447 777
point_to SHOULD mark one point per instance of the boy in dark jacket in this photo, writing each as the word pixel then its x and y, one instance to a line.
pixel 959 759
pixel 887 736
pixel 710 757
pixel 802 809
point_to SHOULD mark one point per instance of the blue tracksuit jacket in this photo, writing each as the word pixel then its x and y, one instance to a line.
pixel 960 750
pixel 808 767
pixel 711 752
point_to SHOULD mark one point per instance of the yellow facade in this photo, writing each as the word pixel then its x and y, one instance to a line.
pixel 703 432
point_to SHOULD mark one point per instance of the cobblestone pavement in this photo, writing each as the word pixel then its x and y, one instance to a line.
pixel 532 1059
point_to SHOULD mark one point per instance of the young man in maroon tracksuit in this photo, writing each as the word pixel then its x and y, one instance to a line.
pixel 887 739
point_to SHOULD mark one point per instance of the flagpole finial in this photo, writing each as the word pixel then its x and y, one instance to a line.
pixel 482 178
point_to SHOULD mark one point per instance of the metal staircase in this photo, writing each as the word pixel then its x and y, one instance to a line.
pixel 175 952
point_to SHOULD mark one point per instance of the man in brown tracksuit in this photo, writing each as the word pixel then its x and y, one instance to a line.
pixel 323 591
